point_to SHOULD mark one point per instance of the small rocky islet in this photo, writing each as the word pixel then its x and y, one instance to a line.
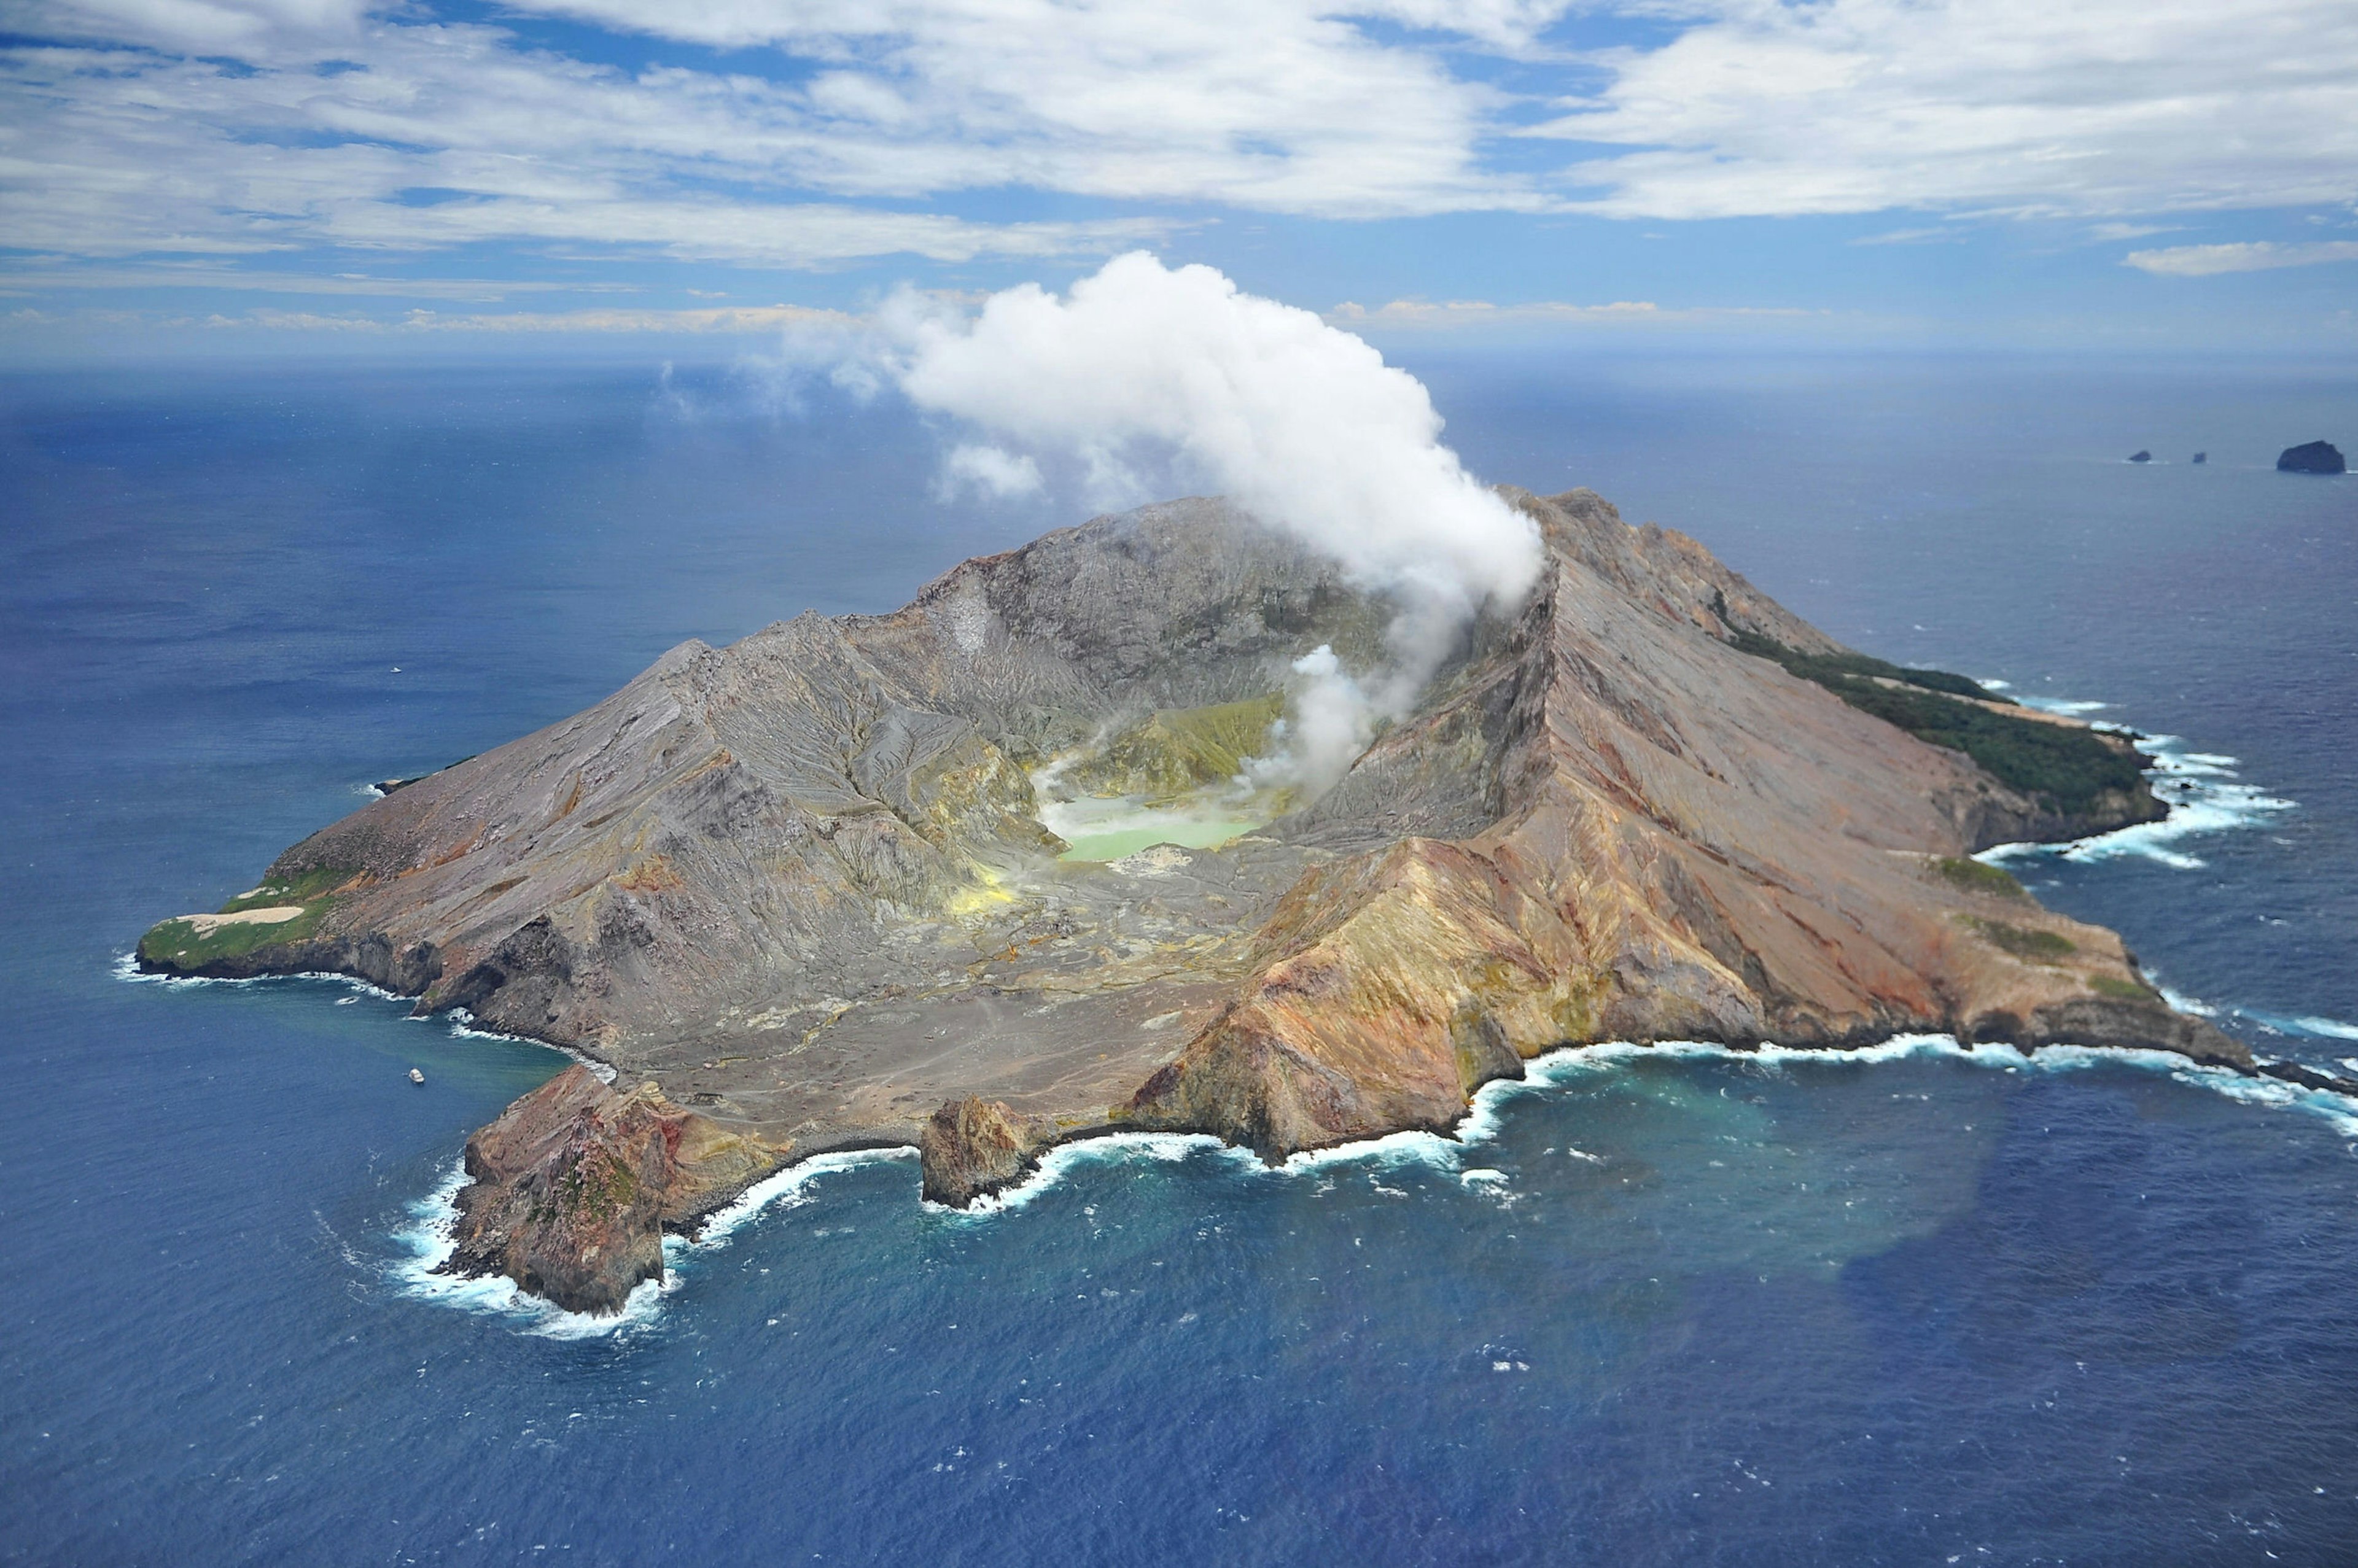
pixel 797 895
pixel 2312 457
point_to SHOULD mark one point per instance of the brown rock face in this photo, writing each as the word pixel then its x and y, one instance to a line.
pixel 574 1185
pixel 802 884
pixel 1683 844
pixel 971 1148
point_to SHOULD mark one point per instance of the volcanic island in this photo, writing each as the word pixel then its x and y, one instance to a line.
pixel 993 872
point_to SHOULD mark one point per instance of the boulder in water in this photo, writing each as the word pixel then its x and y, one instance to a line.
pixel 2141 457
pixel 2201 458
pixel 2313 457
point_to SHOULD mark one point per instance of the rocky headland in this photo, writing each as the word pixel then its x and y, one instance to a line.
pixel 798 892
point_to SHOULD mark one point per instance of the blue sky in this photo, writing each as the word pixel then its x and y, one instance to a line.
pixel 244 175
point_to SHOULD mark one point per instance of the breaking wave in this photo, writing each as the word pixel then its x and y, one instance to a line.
pixel 431 1237
pixel 2203 790
pixel 428 1239
pixel 788 1189
pixel 1485 1117
pixel 2306 1026
pixel 127 968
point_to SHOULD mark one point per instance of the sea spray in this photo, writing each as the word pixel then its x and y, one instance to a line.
pixel 432 1237
pixel 2204 795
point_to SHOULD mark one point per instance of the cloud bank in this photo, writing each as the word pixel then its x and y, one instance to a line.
pixel 2017 106
pixel 2259 255
pixel 1298 422
pixel 818 133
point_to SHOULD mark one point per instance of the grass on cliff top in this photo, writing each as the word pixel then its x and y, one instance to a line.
pixel 1826 668
pixel 1972 876
pixel 176 942
pixel 302 888
pixel 2071 768
pixel 2022 941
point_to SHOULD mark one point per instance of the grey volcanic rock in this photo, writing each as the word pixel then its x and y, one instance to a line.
pixel 970 1147
pixel 801 883
pixel 2313 457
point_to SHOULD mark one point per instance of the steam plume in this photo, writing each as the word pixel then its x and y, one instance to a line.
pixel 1301 424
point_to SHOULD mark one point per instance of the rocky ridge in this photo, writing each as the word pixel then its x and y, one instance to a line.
pixel 801 883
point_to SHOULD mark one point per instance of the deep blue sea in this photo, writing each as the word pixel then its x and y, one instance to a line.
pixel 1912 1307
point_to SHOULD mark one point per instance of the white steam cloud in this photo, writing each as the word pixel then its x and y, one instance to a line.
pixel 1298 422
pixel 989 471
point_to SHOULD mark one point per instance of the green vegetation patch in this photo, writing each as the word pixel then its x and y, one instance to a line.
pixel 1972 876
pixel 2022 941
pixel 302 888
pixel 1827 668
pixel 179 944
pixel 2120 990
pixel 2070 767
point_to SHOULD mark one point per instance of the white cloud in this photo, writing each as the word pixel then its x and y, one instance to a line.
pixel 343 114
pixel 747 320
pixel 989 470
pixel 1929 237
pixel 216 275
pixel 2258 255
pixel 243 29
pixel 833 130
pixel 2097 107
pixel 1423 315
pixel 450 136
pixel 1483 313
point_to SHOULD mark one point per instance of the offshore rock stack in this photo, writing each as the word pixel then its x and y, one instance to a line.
pixel 2312 457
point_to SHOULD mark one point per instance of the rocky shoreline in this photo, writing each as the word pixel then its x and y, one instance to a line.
pixel 798 893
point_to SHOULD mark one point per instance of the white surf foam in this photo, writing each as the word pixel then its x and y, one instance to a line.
pixel 1058 1165
pixel 788 1189
pixel 1484 1119
pixel 2323 1028
pixel 2204 794
pixel 430 1238
pixel 2311 1025
pixel 127 968
pixel 464 1027
pixel 2341 1110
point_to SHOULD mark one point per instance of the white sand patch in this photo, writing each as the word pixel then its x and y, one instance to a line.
pixel 273 915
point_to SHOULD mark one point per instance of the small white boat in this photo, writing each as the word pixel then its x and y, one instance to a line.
pixel 415 1076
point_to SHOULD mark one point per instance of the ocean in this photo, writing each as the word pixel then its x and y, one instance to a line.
pixel 1910 1305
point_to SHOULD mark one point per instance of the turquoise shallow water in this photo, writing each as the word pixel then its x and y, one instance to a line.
pixel 1672 1309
